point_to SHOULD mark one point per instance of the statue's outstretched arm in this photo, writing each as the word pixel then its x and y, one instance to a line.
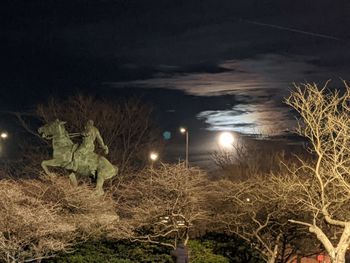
pixel 101 142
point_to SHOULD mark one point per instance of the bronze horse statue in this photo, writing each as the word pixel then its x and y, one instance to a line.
pixel 88 164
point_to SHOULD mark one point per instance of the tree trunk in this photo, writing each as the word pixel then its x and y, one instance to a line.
pixel 338 259
pixel 336 254
pixel 339 256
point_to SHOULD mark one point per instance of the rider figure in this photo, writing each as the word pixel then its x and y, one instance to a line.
pixel 87 147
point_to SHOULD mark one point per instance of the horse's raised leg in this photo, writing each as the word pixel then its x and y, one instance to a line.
pixel 52 163
pixel 73 179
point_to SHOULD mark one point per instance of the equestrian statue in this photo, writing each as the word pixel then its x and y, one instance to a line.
pixel 78 159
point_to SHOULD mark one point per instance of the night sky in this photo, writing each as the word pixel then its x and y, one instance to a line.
pixel 209 65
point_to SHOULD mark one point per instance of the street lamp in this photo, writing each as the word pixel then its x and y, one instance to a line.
pixel 4 135
pixel 153 156
pixel 185 131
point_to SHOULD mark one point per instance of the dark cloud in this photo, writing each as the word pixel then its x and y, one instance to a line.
pixel 259 76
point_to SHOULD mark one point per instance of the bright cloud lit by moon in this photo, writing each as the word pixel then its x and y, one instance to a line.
pixel 257 86
pixel 259 118
pixel 240 77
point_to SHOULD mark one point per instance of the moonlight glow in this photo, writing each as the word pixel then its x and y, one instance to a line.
pixel 226 139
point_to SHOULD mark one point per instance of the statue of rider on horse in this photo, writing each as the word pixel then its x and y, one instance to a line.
pixel 80 159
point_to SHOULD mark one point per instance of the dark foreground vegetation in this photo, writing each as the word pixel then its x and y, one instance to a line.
pixel 209 249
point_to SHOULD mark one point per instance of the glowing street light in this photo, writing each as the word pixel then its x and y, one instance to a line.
pixel 185 131
pixel 226 139
pixel 4 135
pixel 153 156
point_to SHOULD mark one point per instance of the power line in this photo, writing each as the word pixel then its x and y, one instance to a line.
pixel 290 29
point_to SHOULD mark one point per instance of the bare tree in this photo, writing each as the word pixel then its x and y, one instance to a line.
pixel 249 157
pixel 164 204
pixel 248 210
pixel 322 186
pixel 257 210
pixel 42 217
pixel 126 126
pixel 289 189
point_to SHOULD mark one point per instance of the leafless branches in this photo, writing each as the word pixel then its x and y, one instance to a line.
pixel 164 203
pixel 42 217
pixel 325 195
pixel 252 209
pixel 249 158
pixel 126 126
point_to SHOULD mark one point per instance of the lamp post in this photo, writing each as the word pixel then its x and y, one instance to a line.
pixel 185 131
pixel 153 156
pixel 3 136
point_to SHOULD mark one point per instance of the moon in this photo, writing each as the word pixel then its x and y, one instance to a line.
pixel 226 139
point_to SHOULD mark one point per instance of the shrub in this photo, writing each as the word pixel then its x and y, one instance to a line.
pixel 44 216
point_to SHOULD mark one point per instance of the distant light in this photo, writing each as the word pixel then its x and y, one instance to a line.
pixel 182 129
pixel 153 156
pixel 167 135
pixel 226 139
pixel 247 199
pixel 4 135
